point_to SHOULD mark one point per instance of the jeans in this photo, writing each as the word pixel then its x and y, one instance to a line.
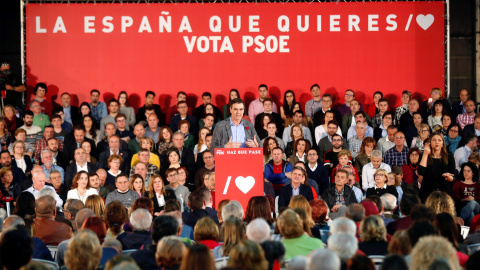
pixel 469 211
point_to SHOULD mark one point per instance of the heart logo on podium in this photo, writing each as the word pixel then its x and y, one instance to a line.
pixel 425 21
pixel 245 184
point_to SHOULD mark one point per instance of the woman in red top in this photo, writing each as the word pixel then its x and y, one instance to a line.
pixel 410 175
pixel 206 232
pixel 466 192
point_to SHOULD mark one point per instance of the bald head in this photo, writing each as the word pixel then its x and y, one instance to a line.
pixel 82 215
pixel 12 221
pixel 45 206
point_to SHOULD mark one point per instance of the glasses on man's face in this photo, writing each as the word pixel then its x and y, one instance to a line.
pixel 173 175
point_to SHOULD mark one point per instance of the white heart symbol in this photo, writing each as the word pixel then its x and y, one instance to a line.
pixel 425 20
pixel 245 183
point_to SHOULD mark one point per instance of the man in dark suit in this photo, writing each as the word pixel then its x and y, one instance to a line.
pixel 78 138
pixel 198 205
pixel 18 175
pixel 80 164
pixel 114 148
pixel 407 118
pixel 295 188
pixel 458 107
pixel 244 135
pixel 472 129
pixel 268 109
pixel 187 158
pixel 319 117
pixel 59 157
pixel 182 109
pixel 70 112
pixel 110 130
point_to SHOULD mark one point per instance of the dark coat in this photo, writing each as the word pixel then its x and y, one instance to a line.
pixel 168 195
pixel 71 145
pixel 285 194
pixel 124 167
pixel 72 171
pixel 191 218
pixel 329 195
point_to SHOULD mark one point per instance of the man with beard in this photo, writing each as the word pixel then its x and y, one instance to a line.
pixel 325 144
pixel 331 156
pixel 59 158
pixel 29 127
pixel 462 153
pixel 41 144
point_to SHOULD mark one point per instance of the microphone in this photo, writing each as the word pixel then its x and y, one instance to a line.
pixel 7 201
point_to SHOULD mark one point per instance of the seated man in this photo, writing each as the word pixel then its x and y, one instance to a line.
pixel 39 178
pixel 198 204
pixel 41 144
pixel 369 169
pixel 71 209
pixel 56 181
pixel 47 229
pixel 48 166
pixel 339 195
pixel 150 169
pixel 80 164
pixel 278 171
pixel 295 188
pixel 209 167
pixel 122 193
pixel 114 149
pixel 140 219
pixel 180 190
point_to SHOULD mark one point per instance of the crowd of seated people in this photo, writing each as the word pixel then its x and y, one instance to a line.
pixel 355 178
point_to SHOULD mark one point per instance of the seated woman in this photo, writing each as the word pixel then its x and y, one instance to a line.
pixel 206 233
pixel 8 187
pixel 268 146
pixel 88 150
pixel 453 137
pixel 10 117
pixel 164 142
pixel 381 187
pixel 158 194
pixel 137 184
pixel 201 144
pixel 363 158
pixel 289 121
pixel 344 158
pixel 22 161
pixel 5 136
pixel 297 133
pixel 320 217
pixel 209 110
pixel 423 134
pixel 435 120
pixel 446 122
pixel 21 135
pixel 184 127
pixel 114 162
pixel 466 192
pixel 170 252
pixel 373 236
pixel 91 127
pixel 173 161
pixel 80 188
pixel 300 150
pixel 381 131
pixel 322 130
pixel 262 132
pixel 233 233
pixel 146 143
pixel 296 242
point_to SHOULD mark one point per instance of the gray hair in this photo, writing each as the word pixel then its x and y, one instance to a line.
pixel 54 171
pixel 389 202
pixel 258 230
pixel 82 215
pixel 323 259
pixel 344 245
pixel 233 208
pixel 343 225
pixel 43 152
pixel 12 222
pixel 376 154
pixel 178 133
pixel 73 206
pixel 297 263
pixel 46 191
pixel 112 243
pixel 141 219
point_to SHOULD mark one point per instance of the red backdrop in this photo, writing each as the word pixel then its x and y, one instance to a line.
pixel 367 47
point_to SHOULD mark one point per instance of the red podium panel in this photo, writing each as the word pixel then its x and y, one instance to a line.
pixel 238 174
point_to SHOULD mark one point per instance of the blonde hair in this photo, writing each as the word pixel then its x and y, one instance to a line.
pixel 441 202
pixel 18 142
pixel 430 248
pixel 83 251
pixel 170 251
pixel 249 255
pixel 290 224
pixel 301 131
pixel 113 157
pixel 97 205
pixel 373 228
pixel 149 140
pixel 301 202
pixel 233 233
pixel 200 140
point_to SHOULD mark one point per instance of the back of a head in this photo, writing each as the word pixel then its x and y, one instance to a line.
pixel 420 229
pixel 473 261
pixel 323 259
pixel 74 206
pixel 46 191
pixel 119 262
pixel 408 202
pixel 206 193
pixel 355 212
pixel 389 202
pixel 274 251
pixel 198 257
pixel 170 251
pixel 195 200
pixel 421 212
pixel 344 245
pixel 258 230
pixel 290 224
pixel 25 204
pixel 360 262
pixel 112 243
pixel 297 263
pixel 12 221
pixel 45 206
pixel 205 229
pixel 82 215
pixel 232 208
pixel 247 254
pixel 394 262
pixel 83 251
pixel 163 226
pixel 16 248
pixel 430 248
pixel 141 219
pixel 343 225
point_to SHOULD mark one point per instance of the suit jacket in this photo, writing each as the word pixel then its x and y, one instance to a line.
pixel 141 113
pixel 168 195
pixel 223 132
pixel 191 218
pixel 103 146
pixel 276 118
pixel 188 161
pixel 175 120
pixel 457 109
pixel 124 167
pixel 329 195
pixel 72 171
pixel 62 160
pixel 319 117
pixel 286 194
pixel 71 145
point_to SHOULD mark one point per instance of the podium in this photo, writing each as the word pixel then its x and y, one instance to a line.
pixel 238 174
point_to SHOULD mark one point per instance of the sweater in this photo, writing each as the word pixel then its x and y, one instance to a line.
pixel 127 198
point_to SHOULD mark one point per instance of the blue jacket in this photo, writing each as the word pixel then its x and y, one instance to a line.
pixel 277 178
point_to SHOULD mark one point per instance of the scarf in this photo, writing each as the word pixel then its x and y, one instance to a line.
pixel 11 124
pixel 452 144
